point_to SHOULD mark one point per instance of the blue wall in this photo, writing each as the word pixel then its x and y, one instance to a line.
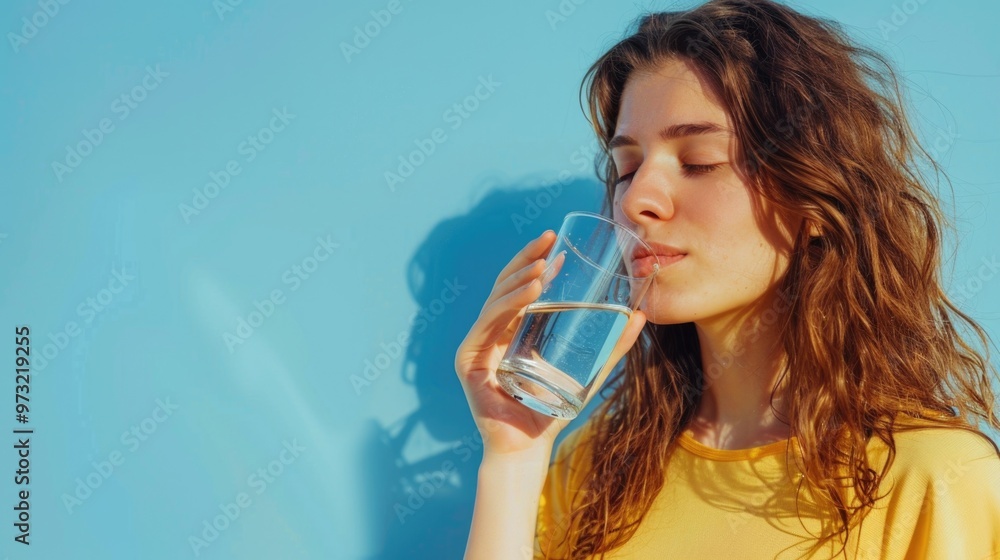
pixel 198 229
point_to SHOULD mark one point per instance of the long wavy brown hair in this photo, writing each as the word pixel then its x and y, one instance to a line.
pixel 869 334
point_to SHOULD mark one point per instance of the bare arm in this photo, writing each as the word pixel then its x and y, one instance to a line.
pixel 506 510
pixel 518 441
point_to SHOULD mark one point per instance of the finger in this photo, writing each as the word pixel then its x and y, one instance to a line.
pixel 633 328
pixel 535 249
pixel 497 317
pixel 553 268
pixel 516 280
pixel 528 274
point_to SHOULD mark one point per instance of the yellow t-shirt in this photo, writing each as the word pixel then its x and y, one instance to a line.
pixel 741 504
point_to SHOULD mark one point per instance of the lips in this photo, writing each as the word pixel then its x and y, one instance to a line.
pixel 643 259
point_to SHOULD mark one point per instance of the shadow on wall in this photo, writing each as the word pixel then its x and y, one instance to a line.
pixel 420 474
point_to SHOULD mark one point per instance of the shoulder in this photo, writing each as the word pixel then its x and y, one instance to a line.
pixel 936 457
pixel 942 493
pixel 566 474
pixel 576 446
pixel 572 460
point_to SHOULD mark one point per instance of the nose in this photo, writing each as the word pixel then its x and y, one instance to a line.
pixel 645 199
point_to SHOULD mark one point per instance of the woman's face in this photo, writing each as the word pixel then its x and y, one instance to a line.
pixel 674 151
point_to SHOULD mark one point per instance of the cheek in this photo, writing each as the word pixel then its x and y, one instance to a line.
pixel 731 233
pixel 724 216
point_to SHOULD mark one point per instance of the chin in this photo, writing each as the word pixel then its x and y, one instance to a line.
pixel 663 316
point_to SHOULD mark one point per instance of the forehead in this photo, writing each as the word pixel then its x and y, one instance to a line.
pixel 673 92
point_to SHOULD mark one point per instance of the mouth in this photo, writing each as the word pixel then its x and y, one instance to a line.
pixel 643 260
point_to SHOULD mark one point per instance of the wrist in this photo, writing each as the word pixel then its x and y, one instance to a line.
pixel 528 465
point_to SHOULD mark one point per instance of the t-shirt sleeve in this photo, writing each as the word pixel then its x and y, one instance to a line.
pixel 564 478
pixel 950 507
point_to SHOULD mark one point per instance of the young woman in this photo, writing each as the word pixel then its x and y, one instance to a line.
pixel 795 385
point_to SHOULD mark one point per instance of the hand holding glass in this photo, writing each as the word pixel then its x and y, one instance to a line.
pixel 565 339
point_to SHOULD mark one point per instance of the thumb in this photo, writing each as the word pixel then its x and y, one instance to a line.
pixel 633 328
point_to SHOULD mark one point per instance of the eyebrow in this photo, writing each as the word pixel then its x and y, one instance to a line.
pixel 671 132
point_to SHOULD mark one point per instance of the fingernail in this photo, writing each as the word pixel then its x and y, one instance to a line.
pixel 550 271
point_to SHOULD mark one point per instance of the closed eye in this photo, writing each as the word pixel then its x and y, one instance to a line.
pixel 691 170
pixel 625 178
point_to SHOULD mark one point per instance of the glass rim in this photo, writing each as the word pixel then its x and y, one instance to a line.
pixel 617 225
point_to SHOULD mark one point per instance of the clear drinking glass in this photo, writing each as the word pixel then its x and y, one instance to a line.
pixel 565 338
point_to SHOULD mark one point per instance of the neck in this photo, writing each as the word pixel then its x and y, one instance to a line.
pixel 741 361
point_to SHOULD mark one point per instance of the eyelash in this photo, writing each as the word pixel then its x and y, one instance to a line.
pixel 690 170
